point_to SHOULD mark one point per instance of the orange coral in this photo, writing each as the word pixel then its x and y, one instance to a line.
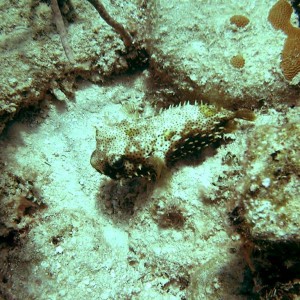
pixel 290 60
pixel 279 17
pixel 239 20
pixel 237 61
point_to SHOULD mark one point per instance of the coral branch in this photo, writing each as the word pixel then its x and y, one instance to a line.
pixel 62 30
pixel 119 28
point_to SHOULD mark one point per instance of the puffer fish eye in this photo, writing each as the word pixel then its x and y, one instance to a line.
pixel 118 163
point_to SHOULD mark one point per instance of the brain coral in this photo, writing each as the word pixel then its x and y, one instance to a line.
pixel 237 61
pixel 239 20
pixel 279 17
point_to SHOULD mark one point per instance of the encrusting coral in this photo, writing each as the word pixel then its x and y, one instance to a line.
pixel 279 17
pixel 144 148
pixel 239 21
pixel 237 61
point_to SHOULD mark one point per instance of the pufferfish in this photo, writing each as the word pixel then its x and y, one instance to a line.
pixel 144 147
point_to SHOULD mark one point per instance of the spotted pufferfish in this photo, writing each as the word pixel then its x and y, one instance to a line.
pixel 144 147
